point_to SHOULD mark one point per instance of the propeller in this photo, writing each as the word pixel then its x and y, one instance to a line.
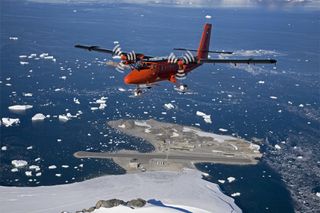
pixel 125 58
pixel 187 58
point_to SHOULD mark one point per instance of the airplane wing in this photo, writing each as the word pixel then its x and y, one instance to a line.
pixel 239 61
pixel 98 49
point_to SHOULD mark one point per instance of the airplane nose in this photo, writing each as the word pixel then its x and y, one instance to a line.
pixel 127 80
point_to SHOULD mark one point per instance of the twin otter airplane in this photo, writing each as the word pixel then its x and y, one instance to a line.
pixel 146 70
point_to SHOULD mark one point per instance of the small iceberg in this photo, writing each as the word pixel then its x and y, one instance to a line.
pixel 38 117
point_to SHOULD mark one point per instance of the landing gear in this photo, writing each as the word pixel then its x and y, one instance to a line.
pixel 137 91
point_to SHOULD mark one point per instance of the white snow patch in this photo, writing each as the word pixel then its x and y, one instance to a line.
pixel 219 138
pixel 168 187
pixel 142 124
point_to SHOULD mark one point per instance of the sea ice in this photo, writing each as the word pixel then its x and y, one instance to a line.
pixel 231 179
pixel 14 170
pixel 20 107
pixel 19 163
pixel 168 106
pixel 34 167
pixel 24 62
pixel 277 146
pixel 13 38
pixel 208 17
pixel 76 101
pixel 63 118
pixel 29 147
pixel 4 148
pixel 221 181
pixel 28 173
pixel 38 117
pixel 27 94
pixel 9 121
pixel 206 118
pixel 273 97
pixel 52 167
pixel 223 130
pixel 236 194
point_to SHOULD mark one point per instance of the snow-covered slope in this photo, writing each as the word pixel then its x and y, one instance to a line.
pixel 181 189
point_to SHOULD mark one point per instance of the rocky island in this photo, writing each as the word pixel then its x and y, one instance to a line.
pixel 176 147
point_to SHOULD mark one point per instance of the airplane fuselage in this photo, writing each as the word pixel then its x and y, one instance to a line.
pixel 157 71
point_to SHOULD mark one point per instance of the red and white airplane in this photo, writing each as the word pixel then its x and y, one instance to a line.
pixel 146 70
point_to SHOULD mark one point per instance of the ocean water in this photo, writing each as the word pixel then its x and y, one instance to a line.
pixel 237 98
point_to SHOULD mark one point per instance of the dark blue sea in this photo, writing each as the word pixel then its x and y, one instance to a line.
pixel 262 101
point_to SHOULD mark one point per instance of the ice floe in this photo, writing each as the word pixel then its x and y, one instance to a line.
pixel 38 117
pixel 76 101
pixel 223 130
pixel 9 121
pixel 277 146
pixel 28 173
pixel 4 148
pixel 231 179
pixel 168 106
pixel 206 118
pixel 34 167
pixel 63 118
pixel 20 107
pixel 52 167
pixel 221 181
pixel 19 163
pixel 24 62
pixel 236 194
pixel 27 94
pixel 14 38
pixel 274 97
pixel 208 17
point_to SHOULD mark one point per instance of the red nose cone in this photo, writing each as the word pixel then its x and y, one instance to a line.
pixel 127 80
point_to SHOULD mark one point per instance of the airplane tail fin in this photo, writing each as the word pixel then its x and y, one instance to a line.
pixel 204 42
